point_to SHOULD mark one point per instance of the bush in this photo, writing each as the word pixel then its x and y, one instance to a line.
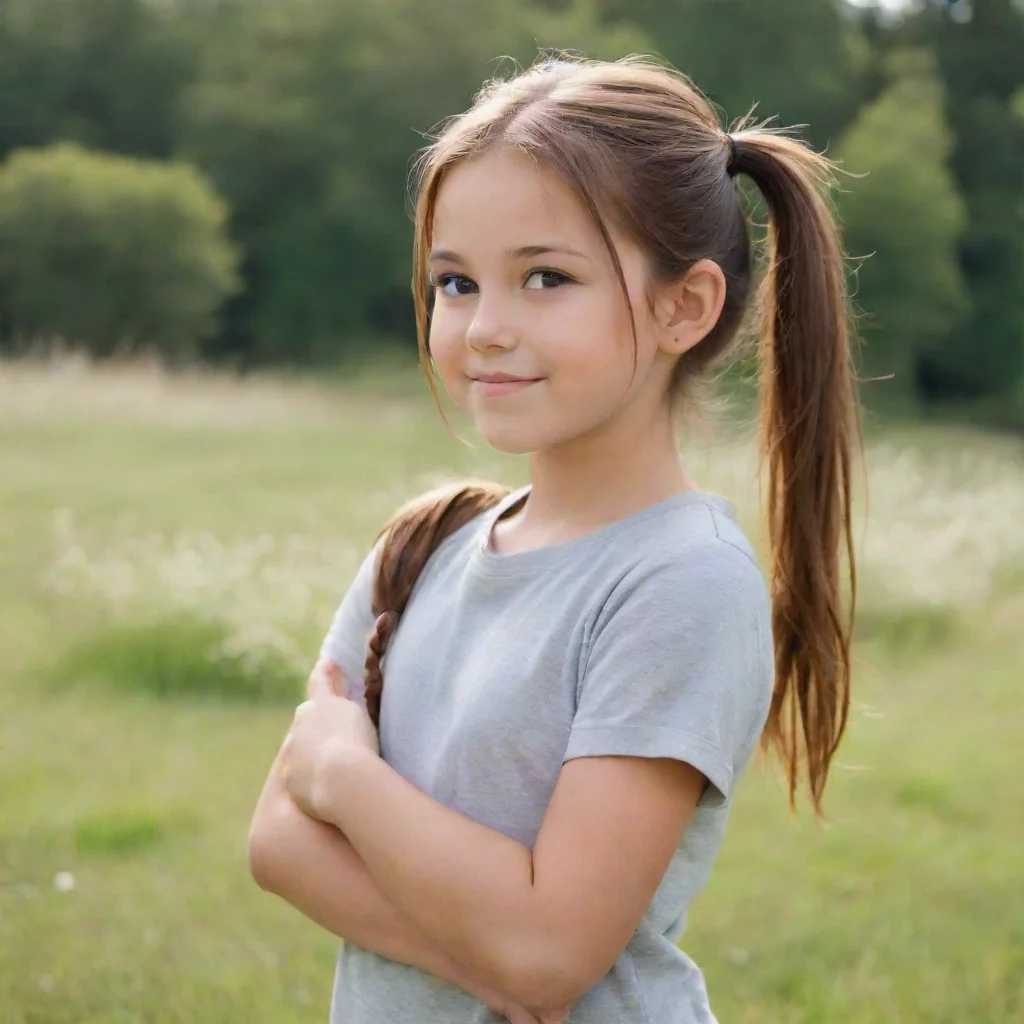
pixel 110 253
pixel 177 659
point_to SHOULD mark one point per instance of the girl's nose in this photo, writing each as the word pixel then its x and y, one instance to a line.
pixel 490 328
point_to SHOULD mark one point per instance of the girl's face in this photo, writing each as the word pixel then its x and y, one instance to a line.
pixel 530 330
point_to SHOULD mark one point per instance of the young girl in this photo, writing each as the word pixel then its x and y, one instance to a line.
pixel 578 671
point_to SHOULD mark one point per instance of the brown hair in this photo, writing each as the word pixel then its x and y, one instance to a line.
pixel 408 540
pixel 644 150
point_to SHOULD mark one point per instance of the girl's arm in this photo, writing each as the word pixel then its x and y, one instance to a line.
pixel 314 868
pixel 544 926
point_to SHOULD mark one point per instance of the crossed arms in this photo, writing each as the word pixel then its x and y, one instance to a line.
pixel 405 877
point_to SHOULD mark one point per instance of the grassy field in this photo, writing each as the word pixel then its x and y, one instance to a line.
pixel 170 553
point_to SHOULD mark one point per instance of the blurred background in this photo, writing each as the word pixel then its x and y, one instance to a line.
pixel 209 404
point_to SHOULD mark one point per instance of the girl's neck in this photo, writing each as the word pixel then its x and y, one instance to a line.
pixel 593 481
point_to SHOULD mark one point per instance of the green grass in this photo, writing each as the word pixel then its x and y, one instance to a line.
pixel 172 659
pixel 151 647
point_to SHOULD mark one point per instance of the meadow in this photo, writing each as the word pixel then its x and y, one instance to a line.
pixel 171 550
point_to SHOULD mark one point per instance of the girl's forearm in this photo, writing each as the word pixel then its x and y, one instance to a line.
pixel 468 887
pixel 313 867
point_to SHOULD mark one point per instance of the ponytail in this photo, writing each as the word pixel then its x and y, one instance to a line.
pixel 809 427
pixel 409 539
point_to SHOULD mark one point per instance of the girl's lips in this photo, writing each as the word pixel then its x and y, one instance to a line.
pixel 497 388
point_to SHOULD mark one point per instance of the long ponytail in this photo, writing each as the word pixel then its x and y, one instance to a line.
pixel 410 537
pixel 809 429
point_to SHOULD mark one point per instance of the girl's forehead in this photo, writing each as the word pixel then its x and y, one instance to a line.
pixel 507 194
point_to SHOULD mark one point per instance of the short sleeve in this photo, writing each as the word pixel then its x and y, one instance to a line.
pixel 679 665
pixel 350 629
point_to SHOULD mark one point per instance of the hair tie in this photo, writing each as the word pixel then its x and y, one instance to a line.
pixel 730 167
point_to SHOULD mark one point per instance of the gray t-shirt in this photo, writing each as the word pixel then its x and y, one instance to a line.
pixel 650 637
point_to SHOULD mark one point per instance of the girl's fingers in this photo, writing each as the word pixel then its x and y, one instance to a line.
pixel 518 1015
pixel 553 1016
pixel 326 678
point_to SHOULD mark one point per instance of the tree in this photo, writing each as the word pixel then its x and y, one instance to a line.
pixel 307 116
pixel 980 51
pixel 904 218
pixel 982 62
pixel 800 60
pixel 115 254
pixel 105 73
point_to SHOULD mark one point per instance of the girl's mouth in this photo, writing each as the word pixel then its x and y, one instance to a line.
pixel 496 385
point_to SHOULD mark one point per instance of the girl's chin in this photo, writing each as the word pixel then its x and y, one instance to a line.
pixel 522 441
pixel 510 444
pixel 521 432
pixel 510 437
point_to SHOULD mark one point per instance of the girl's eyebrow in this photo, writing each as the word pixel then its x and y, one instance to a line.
pixel 525 251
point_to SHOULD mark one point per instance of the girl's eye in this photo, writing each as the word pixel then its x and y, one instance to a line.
pixel 454 285
pixel 545 280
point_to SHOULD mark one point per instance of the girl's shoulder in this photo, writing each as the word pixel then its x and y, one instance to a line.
pixel 690 535
pixel 695 563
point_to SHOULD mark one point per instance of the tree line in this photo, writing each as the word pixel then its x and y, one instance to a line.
pixel 225 179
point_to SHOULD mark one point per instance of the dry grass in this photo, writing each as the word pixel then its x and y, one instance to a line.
pixel 72 387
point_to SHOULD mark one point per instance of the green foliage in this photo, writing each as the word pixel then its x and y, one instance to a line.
pixel 113 253
pixel 907 631
pixel 981 60
pixel 1017 104
pixel 799 60
pixel 307 116
pixel 903 221
pixel 105 73
pixel 178 659
pixel 121 831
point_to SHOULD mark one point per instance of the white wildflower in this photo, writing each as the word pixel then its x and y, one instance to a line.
pixel 268 593
pixel 64 881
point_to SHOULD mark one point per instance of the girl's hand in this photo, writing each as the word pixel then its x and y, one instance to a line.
pixel 326 676
pixel 513 1012
pixel 498 1002
pixel 516 1014
pixel 326 727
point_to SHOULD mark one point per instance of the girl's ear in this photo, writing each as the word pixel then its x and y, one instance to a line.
pixel 688 309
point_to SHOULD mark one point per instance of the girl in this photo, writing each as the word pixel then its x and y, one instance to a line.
pixel 586 664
